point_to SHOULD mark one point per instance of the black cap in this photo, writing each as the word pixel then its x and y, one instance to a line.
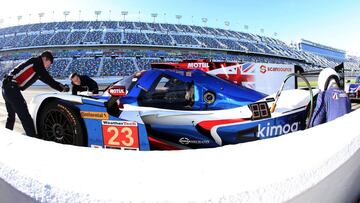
pixel 48 55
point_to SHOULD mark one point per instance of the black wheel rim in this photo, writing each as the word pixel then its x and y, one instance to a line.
pixel 57 128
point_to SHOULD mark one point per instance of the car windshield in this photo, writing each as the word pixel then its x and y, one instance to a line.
pixel 127 81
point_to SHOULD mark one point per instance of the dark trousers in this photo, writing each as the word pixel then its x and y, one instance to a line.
pixel 15 103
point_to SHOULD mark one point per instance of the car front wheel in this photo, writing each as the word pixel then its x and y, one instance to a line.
pixel 60 122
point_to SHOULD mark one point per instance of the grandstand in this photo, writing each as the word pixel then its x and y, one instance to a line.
pixel 322 50
pixel 118 48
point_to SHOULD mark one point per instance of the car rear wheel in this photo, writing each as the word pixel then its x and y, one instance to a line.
pixel 60 122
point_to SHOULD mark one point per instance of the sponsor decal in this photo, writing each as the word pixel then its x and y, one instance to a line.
pixel 186 141
pixel 70 115
pixel 120 123
pixel 264 69
pixel 271 131
pixel 120 134
pixel 335 96
pixel 198 65
pixel 94 115
pixel 117 91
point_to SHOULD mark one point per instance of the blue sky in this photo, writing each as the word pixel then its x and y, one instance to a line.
pixel 334 23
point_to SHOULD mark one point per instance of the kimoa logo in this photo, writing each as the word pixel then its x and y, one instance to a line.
pixel 270 131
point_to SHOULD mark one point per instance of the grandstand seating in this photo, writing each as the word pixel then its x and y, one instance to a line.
pixel 118 67
pixel 76 37
pixel 263 49
pixel 160 39
pixel 145 64
pixel 26 41
pixel 95 25
pixel 209 42
pixel 126 25
pixel 42 39
pixel 136 38
pixel 126 63
pixel 59 38
pixel 185 40
pixel 113 38
pixel 57 69
pixel 93 37
pixel 80 25
pixel 88 66
pixel 169 27
pixel 110 24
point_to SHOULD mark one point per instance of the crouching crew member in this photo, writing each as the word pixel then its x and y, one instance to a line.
pixel 331 102
pixel 19 79
pixel 82 83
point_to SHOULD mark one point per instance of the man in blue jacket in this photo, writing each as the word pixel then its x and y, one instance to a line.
pixel 331 102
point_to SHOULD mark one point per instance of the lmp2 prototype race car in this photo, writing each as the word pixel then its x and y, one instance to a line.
pixel 167 110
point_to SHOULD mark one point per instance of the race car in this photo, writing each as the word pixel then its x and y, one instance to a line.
pixel 169 110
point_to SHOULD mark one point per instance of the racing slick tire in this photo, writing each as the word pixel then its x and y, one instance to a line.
pixel 60 122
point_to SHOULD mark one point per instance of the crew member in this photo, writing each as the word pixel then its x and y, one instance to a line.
pixel 19 79
pixel 83 83
pixel 331 102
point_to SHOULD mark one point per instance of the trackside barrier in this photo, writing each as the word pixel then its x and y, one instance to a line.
pixel 321 164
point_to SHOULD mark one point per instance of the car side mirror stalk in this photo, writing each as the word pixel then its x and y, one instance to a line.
pixel 141 87
pixel 115 93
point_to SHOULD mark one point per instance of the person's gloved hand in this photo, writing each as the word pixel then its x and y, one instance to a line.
pixel 66 88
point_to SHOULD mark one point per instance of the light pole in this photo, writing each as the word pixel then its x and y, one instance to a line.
pixel 79 15
pixel 53 16
pixel 227 24
pixel 154 15
pixel 204 20
pixel 66 13
pixel 97 13
pixel 9 21
pixel 19 18
pixel 109 15
pixel 29 18
pixel 40 16
pixel 164 17
pixel 178 17
pixel 124 13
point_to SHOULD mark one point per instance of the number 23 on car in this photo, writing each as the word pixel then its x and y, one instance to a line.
pixel 120 134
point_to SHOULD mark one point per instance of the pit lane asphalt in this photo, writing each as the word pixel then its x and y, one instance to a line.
pixel 31 92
